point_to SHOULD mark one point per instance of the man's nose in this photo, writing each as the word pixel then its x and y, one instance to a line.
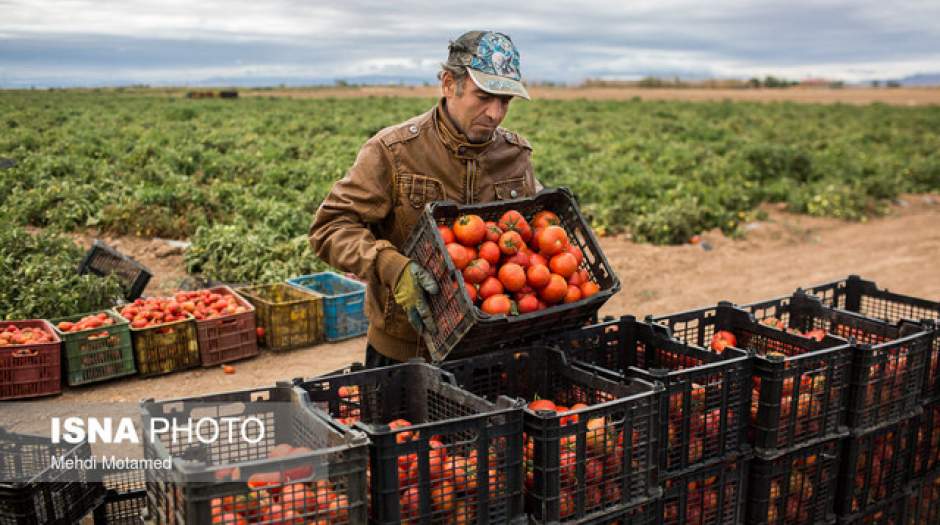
pixel 495 111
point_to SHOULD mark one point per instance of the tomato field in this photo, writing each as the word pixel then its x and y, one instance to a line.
pixel 241 179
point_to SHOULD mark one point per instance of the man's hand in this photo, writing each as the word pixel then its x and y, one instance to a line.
pixel 413 283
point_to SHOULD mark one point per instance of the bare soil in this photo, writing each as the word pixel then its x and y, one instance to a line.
pixel 899 251
pixel 853 95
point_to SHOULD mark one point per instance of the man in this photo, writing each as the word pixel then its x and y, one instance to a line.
pixel 456 151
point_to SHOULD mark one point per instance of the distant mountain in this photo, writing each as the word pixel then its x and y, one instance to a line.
pixel 921 79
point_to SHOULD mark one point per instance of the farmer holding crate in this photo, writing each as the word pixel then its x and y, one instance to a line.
pixel 456 151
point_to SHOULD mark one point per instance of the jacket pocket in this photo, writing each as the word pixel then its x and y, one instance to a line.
pixel 418 190
pixel 514 188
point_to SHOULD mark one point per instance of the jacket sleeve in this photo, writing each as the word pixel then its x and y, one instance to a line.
pixel 340 233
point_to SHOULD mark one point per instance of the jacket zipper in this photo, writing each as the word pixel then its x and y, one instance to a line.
pixel 469 182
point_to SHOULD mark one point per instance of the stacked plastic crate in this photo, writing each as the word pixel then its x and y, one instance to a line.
pixel 703 458
pixel 920 499
pixel 796 392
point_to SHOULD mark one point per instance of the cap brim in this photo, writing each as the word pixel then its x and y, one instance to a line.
pixel 497 85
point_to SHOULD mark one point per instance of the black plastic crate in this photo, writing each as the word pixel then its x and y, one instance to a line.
pixel 710 495
pixel 926 455
pixel 103 260
pixel 459 460
pixel 798 384
pixel 462 328
pixel 861 296
pixel 230 478
pixel 595 460
pixel 895 511
pixel 644 513
pixel 705 401
pixel 887 360
pixel 33 492
pixel 924 507
pixel 875 466
pixel 125 499
pixel 795 487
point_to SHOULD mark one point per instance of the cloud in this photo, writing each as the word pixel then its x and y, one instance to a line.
pixel 179 41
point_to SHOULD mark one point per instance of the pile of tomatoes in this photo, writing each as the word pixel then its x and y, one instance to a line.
pixel 284 496
pixel 89 322
pixel 603 463
pixel 13 335
pixel 513 267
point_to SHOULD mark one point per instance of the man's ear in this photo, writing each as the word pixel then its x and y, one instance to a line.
pixel 448 85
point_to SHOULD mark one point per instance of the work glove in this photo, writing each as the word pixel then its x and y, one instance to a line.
pixel 410 291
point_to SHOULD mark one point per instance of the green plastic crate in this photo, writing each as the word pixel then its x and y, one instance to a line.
pixel 91 356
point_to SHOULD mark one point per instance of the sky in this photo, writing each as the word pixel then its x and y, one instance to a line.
pixel 172 42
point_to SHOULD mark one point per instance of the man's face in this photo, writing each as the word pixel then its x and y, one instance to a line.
pixel 474 112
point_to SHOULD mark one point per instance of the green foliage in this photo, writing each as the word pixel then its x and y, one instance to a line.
pixel 243 178
pixel 38 278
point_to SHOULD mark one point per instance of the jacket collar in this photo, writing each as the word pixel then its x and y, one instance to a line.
pixel 455 140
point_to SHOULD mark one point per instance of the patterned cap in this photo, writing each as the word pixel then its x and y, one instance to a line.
pixel 492 61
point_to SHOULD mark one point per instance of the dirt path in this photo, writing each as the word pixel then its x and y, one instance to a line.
pixel 853 95
pixel 900 251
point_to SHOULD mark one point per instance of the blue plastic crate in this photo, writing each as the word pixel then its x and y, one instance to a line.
pixel 343 302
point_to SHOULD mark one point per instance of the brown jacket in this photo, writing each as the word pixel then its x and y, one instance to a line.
pixel 368 215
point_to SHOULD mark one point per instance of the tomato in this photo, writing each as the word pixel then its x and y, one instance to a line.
pixel 553 240
pixel 471 292
pixel 490 287
pixel 512 220
pixel 537 258
pixel 529 303
pixel 510 243
pixel 447 235
pixel 497 304
pixel 538 275
pixel 722 339
pixel 541 404
pixel 476 271
pixel 402 437
pixel 564 264
pixel 470 230
pixel 229 518
pixel 443 496
pixel 565 504
pixel 490 252
pixel 816 333
pixel 589 288
pixel 573 295
pixel 545 218
pixel 512 276
pixel 521 258
pixel 578 254
pixel 459 255
pixel 555 290
pixel 410 501
pixel 299 498
pixel 493 232
pixel 264 479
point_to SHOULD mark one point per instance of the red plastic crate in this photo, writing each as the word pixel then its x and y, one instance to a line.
pixel 30 370
pixel 230 337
